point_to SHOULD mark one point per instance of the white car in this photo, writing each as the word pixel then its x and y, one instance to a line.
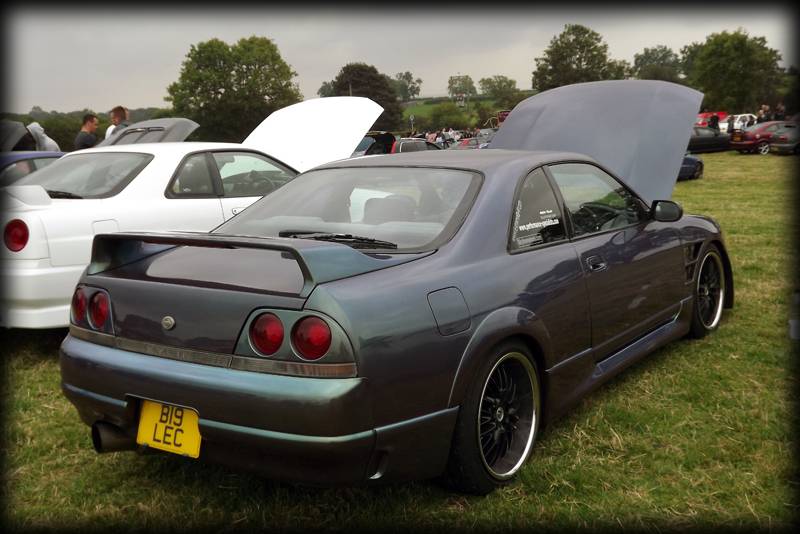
pixel 51 216
pixel 739 122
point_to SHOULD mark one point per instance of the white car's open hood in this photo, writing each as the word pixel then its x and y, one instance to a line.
pixel 316 131
pixel 638 129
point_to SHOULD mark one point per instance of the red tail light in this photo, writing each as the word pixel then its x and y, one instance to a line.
pixel 783 138
pixel 16 235
pixel 79 306
pixel 98 310
pixel 266 333
pixel 312 337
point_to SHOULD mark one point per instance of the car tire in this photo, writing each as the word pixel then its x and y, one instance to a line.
pixel 497 423
pixel 762 148
pixel 698 173
pixel 709 293
pixel 742 151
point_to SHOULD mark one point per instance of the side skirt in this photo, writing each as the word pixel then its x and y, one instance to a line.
pixel 572 379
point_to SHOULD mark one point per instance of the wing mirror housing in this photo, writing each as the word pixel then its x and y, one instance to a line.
pixel 666 211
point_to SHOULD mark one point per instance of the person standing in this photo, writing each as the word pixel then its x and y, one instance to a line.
pixel 86 138
pixel 713 122
pixel 119 119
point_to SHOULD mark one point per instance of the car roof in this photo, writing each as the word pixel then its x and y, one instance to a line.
pixel 178 147
pixel 486 161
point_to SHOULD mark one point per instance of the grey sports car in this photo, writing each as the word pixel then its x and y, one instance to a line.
pixel 407 316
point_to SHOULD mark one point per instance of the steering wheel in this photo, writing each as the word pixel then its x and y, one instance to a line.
pixel 596 211
pixel 256 178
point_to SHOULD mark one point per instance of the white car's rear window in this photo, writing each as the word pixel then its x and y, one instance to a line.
pixel 93 175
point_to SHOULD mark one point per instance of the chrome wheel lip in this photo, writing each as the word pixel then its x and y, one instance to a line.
pixel 721 297
pixel 534 383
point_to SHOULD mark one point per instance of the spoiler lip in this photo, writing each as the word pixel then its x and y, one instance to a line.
pixel 28 195
pixel 319 261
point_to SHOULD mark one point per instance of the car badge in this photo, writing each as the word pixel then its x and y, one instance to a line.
pixel 167 323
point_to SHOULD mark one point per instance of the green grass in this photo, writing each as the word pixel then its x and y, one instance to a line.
pixel 697 435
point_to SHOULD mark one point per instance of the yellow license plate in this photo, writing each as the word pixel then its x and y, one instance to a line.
pixel 737 137
pixel 169 428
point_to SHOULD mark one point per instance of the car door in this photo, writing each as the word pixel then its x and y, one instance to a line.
pixel 543 257
pixel 633 266
pixel 245 177
pixel 191 200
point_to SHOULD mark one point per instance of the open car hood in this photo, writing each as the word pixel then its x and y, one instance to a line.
pixel 152 131
pixel 638 129
pixel 336 124
pixel 10 134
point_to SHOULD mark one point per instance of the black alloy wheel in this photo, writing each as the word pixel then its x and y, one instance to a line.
pixel 497 422
pixel 709 293
pixel 507 415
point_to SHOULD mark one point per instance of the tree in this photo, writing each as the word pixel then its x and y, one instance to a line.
pixel 461 85
pixel 365 80
pixel 449 115
pixel 230 89
pixel 576 55
pixel 502 90
pixel 326 89
pixel 658 63
pixel 736 72
pixel 407 86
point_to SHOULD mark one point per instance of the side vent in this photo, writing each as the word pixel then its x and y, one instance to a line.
pixel 691 251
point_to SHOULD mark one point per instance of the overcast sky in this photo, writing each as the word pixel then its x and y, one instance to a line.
pixel 98 57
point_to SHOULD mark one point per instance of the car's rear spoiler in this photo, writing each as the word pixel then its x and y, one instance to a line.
pixel 319 261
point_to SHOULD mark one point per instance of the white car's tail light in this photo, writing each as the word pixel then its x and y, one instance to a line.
pixel 16 235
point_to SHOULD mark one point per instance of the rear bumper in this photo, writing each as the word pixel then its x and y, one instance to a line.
pixel 311 430
pixel 35 294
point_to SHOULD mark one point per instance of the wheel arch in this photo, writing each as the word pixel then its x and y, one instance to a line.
pixel 503 326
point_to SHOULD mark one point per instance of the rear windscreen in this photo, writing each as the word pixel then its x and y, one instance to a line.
pixel 93 175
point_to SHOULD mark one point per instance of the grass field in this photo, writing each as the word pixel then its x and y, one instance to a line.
pixel 700 434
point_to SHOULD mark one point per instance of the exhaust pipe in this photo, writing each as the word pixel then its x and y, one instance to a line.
pixel 109 438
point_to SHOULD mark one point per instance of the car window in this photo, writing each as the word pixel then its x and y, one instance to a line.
pixel 94 175
pixel 246 174
pixel 41 163
pixel 15 171
pixel 410 146
pixel 415 208
pixel 595 200
pixel 193 179
pixel 536 218
pixel 771 127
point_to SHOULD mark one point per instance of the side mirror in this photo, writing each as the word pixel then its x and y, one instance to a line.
pixel 666 211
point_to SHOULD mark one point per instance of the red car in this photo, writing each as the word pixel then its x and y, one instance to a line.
pixel 756 138
pixel 702 118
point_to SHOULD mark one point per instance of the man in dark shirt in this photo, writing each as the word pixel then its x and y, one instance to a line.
pixel 86 137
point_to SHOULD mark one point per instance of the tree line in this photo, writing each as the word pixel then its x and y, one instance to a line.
pixel 230 89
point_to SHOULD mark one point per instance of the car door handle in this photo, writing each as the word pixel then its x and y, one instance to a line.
pixel 596 263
